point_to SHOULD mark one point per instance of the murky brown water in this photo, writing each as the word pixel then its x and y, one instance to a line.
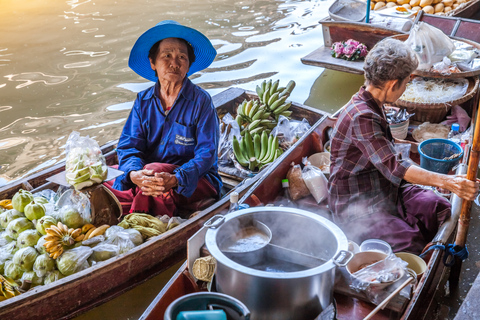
pixel 63 64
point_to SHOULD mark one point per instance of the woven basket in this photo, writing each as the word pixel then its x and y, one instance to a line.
pixel 436 112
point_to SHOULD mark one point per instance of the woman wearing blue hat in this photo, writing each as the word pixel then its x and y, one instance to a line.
pixel 168 146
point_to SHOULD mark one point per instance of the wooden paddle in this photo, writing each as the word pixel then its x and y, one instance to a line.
pixel 464 219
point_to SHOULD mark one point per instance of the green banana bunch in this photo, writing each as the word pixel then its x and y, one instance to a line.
pixel 257 150
pixel 8 288
pixel 274 97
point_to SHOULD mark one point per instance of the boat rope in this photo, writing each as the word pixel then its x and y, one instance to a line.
pixel 450 250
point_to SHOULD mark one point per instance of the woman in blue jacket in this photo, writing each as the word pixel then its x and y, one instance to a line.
pixel 168 147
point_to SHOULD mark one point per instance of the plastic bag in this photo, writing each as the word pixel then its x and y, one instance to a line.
pixel 74 260
pixel 297 187
pixel 74 209
pixel 430 44
pixel 316 182
pixel 289 131
pixel 85 163
pixel 122 241
pixel 52 276
pixel 102 252
pixel 228 128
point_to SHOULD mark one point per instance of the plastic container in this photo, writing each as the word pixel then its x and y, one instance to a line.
pixel 415 263
pixel 202 315
pixel 376 245
pixel 400 130
pixel 348 10
pixel 433 154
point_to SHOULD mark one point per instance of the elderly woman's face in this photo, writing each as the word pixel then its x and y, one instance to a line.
pixel 172 61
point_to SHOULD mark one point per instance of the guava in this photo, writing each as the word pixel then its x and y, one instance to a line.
pixel 43 264
pixel 74 260
pixel 13 270
pixel 28 238
pixel 17 226
pixel 40 245
pixel 25 258
pixel 34 279
pixel 34 211
pixel 72 218
pixel 52 276
pixel 21 199
pixel 3 216
pixel 10 215
pixel 44 223
pixel 104 252
pixel 41 200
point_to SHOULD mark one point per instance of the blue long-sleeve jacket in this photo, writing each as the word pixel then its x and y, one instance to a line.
pixel 187 136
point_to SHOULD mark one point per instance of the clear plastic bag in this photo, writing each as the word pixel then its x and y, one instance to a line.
pixel 316 181
pixel 289 131
pixel 85 163
pixel 74 260
pixel 122 241
pixel 430 44
pixel 102 252
pixel 228 128
pixel 73 206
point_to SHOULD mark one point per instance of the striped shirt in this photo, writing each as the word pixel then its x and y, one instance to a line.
pixel 365 173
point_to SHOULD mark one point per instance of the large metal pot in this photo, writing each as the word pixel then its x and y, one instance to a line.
pixel 294 276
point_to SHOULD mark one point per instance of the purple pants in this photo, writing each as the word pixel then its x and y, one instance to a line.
pixel 414 226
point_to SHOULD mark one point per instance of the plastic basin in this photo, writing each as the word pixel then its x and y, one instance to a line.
pixel 433 154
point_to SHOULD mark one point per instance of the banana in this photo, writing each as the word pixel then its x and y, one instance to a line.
pixel 238 152
pixel 240 109
pixel 79 238
pixel 269 147
pixel 264 144
pixel 254 109
pixel 274 87
pixel 249 144
pixel 248 107
pixel 263 86
pixel 271 125
pixel 265 97
pixel 282 108
pixel 87 227
pixel 273 149
pixel 267 89
pixel 278 153
pixel 290 86
pixel 266 115
pixel 256 130
pixel 278 103
pixel 272 99
pixel 259 91
pixel 286 113
pixel 257 145
pixel 284 93
pixel 51 244
pixel 57 254
pixel 239 120
pixel 53 231
pixel 243 147
pixel 75 233
pixel 258 115
pixel 280 89
pixel 89 232
pixel 253 163
pixel 99 231
pixel 253 125
pixel 62 227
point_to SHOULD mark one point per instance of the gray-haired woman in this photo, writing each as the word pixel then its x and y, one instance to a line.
pixel 370 189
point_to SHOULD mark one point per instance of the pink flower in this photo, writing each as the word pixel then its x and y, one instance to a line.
pixel 349 50
pixel 338 48
pixel 352 42
pixel 363 51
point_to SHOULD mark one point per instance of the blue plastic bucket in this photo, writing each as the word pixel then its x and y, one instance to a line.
pixel 434 151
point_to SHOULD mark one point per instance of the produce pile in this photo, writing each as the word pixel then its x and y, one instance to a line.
pixel 256 119
pixel 438 7
pixel 40 243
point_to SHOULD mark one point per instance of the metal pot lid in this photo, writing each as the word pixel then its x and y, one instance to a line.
pixel 339 257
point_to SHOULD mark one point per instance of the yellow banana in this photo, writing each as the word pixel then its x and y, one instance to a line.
pixel 89 232
pixel 53 231
pixel 99 231
pixel 79 238
pixel 76 233
pixel 87 227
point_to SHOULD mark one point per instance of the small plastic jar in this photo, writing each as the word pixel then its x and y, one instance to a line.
pixel 376 245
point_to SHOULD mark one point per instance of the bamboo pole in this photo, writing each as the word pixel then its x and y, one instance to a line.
pixel 464 219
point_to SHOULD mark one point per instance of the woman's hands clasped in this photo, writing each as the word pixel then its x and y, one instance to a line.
pixel 153 183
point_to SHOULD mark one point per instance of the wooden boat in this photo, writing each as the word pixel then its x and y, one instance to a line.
pixel 89 288
pixel 349 305
pixel 456 26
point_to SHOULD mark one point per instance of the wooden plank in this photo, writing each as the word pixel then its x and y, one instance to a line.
pixel 322 57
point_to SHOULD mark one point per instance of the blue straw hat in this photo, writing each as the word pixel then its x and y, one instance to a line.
pixel 202 47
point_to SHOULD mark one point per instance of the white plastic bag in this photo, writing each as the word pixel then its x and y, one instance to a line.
pixel 316 182
pixel 228 128
pixel 430 44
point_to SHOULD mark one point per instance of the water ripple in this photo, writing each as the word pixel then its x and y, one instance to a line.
pixel 81 64
pixel 36 77
pixel 87 53
pixel 76 3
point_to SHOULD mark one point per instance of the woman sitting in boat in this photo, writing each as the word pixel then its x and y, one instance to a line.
pixel 372 193
pixel 168 146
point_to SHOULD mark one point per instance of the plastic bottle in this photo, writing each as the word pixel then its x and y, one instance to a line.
pixel 286 200
pixel 454 134
pixel 233 202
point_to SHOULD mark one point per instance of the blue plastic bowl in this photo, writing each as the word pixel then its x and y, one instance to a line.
pixel 434 151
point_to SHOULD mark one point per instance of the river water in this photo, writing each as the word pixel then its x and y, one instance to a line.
pixel 63 68
pixel 63 65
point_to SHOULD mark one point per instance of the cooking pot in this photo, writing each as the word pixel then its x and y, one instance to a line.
pixel 294 276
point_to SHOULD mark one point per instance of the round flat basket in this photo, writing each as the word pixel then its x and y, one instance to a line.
pixel 430 74
pixel 436 112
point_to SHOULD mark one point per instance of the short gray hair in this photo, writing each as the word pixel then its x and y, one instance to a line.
pixel 390 59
